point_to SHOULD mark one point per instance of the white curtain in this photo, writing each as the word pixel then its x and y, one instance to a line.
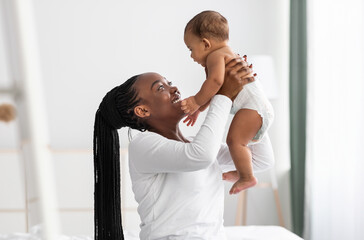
pixel 335 120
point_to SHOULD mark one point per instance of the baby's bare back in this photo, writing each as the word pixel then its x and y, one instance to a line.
pixel 227 53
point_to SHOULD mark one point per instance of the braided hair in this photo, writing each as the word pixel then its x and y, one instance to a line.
pixel 115 111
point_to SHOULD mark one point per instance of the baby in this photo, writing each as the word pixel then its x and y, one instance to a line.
pixel 206 36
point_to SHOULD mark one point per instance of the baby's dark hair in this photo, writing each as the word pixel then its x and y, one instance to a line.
pixel 209 24
pixel 115 111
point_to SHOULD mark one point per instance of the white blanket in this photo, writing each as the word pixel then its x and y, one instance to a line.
pixel 233 233
pixel 260 233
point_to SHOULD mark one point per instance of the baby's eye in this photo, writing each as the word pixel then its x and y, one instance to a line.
pixel 169 83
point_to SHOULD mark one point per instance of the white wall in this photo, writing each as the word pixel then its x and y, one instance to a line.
pixel 88 47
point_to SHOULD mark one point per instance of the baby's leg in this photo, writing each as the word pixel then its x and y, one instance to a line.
pixel 243 128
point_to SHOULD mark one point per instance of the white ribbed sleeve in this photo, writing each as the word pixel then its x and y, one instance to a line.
pixel 153 153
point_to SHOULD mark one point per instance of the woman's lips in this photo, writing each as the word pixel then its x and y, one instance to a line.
pixel 176 99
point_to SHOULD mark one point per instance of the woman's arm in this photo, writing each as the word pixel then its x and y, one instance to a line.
pixel 153 153
pixel 237 74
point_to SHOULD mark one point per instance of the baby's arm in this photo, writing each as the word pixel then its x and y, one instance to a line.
pixel 215 64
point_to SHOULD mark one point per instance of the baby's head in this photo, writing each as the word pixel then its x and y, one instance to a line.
pixel 205 33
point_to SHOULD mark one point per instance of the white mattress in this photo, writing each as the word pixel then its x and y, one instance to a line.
pixel 233 233
pixel 260 233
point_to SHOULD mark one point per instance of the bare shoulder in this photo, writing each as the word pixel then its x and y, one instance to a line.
pixel 225 53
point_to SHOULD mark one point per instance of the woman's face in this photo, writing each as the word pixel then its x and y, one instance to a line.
pixel 159 98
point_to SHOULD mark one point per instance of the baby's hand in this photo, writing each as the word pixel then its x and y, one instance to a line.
pixel 189 105
pixel 192 118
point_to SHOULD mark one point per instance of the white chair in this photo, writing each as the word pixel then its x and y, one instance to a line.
pixel 241 213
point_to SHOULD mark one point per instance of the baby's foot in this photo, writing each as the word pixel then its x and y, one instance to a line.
pixel 232 176
pixel 242 184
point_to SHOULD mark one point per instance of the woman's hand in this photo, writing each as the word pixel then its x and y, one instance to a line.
pixel 231 176
pixel 237 73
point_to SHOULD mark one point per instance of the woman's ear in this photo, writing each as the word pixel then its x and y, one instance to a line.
pixel 142 111
pixel 207 43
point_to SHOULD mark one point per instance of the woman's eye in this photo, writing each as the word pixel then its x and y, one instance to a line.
pixel 161 87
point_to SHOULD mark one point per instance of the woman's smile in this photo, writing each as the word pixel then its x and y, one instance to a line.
pixel 160 97
pixel 177 98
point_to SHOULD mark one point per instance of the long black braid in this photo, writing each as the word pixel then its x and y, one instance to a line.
pixel 115 111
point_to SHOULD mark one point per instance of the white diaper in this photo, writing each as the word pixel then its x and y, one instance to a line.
pixel 252 97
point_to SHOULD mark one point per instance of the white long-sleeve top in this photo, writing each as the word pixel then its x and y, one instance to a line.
pixel 179 186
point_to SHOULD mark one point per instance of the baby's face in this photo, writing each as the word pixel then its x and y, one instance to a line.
pixel 197 47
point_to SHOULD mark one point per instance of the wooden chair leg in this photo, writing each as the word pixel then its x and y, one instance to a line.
pixel 278 206
pixel 239 209
pixel 245 204
pixel 241 214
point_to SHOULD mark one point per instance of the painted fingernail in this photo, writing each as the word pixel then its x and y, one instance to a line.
pixel 251 65
pixel 254 74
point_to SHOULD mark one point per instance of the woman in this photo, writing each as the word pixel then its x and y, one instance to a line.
pixel 176 181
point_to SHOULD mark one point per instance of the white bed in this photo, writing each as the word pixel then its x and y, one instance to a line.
pixel 233 233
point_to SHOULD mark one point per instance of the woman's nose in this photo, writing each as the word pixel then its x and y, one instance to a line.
pixel 174 89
